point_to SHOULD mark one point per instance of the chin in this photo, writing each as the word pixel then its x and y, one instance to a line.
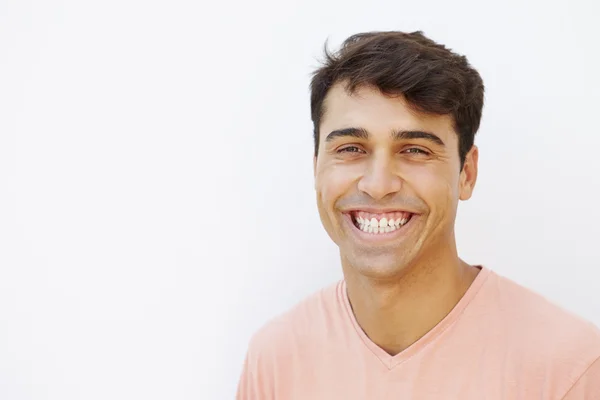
pixel 381 267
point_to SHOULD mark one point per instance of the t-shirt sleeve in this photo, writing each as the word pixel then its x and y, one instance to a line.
pixel 587 387
pixel 247 386
pixel 254 380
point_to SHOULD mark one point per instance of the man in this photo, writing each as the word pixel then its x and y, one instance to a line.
pixel 395 117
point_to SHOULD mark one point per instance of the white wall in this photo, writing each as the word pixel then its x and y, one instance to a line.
pixel 148 150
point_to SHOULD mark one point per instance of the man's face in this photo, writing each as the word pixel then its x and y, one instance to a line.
pixel 388 181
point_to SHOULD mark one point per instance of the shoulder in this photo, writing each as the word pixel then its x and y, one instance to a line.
pixel 531 312
pixel 304 322
pixel 288 340
pixel 551 338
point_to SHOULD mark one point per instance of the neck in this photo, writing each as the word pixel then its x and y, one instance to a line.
pixel 396 313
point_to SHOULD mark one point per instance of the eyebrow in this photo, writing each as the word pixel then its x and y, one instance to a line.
pixel 404 135
pixel 361 133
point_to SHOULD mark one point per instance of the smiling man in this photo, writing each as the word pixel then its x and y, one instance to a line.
pixel 395 116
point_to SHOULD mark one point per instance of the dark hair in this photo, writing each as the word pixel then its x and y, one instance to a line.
pixel 431 77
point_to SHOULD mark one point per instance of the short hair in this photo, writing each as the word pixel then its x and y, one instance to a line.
pixel 431 78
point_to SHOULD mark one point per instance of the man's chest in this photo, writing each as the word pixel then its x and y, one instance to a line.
pixel 360 379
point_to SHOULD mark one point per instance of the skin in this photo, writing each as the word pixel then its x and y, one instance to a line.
pixel 402 286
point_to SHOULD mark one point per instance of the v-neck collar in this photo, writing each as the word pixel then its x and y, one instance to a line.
pixel 392 361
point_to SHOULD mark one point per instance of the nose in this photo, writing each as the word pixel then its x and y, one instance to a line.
pixel 380 178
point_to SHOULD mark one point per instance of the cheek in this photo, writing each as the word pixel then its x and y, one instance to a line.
pixel 437 188
pixel 332 183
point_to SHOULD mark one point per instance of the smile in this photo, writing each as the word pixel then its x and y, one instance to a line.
pixel 379 223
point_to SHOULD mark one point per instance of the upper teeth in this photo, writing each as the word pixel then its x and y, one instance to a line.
pixel 383 225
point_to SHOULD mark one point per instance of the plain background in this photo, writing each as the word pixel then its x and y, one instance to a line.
pixel 156 190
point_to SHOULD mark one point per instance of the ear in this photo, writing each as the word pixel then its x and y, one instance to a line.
pixel 468 175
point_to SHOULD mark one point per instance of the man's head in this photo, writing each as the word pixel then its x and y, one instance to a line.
pixel 395 116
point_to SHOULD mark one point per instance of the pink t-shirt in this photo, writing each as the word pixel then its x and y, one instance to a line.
pixel 501 341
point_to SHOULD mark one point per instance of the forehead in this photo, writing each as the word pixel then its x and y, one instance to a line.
pixel 368 108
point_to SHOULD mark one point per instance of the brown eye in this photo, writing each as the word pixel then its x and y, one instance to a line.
pixel 416 150
pixel 349 149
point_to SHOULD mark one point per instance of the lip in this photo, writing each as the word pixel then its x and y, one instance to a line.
pixel 379 237
pixel 372 210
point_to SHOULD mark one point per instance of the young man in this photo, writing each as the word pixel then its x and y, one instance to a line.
pixel 395 115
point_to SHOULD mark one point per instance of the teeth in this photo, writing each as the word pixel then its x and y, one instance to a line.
pixel 384 225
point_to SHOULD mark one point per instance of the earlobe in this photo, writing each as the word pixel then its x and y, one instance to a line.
pixel 468 175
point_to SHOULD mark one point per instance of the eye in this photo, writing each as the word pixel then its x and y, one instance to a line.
pixel 416 150
pixel 350 149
